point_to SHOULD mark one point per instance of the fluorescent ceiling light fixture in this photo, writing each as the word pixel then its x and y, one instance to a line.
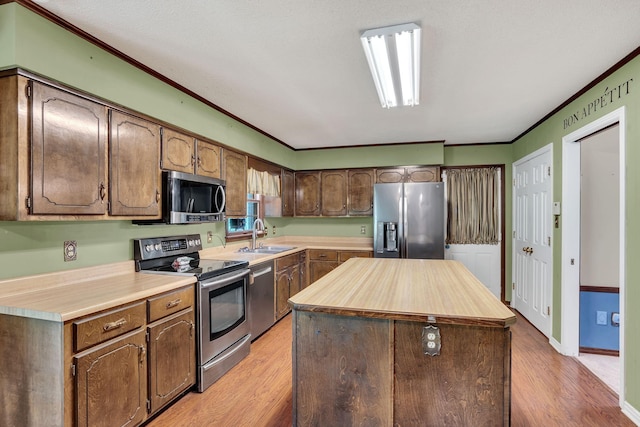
pixel 393 54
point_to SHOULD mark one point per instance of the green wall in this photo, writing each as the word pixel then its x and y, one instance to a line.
pixel 617 90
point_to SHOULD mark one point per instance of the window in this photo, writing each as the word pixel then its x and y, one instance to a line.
pixel 241 228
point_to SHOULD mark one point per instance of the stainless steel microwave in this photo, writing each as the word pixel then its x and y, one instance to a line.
pixel 191 199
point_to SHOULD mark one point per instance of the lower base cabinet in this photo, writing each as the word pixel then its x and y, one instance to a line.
pixel 141 357
pixel 172 358
pixel 290 279
pixel 111 383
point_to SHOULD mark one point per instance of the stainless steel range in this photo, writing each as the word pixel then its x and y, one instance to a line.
pixel 222 316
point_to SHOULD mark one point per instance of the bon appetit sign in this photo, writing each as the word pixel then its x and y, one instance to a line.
pixel 610 96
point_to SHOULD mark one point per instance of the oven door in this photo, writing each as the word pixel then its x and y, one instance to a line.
pixel 223 313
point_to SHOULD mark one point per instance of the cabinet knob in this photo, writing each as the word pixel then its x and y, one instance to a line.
pixel 102 192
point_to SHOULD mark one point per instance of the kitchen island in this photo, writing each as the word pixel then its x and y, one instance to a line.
pixel 400 342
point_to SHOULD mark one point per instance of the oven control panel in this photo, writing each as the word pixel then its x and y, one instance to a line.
pixel 159 247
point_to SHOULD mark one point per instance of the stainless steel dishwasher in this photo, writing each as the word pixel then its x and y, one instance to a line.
pixel 261 298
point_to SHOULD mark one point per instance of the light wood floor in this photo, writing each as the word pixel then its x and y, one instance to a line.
pixel 548 389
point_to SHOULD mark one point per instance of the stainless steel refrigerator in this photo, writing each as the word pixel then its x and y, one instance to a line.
pixel 408 220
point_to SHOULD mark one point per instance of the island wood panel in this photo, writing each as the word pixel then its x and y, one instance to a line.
pixel 466 385
pixel 343 370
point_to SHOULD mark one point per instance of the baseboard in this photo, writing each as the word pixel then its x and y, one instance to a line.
pixel 600 351
pixel 557 346
pixel 631 412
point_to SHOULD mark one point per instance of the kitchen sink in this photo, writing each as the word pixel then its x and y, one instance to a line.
pixel 267 249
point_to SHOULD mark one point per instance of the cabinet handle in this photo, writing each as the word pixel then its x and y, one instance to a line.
pixel 323 255
pixel 143 353
pixel 173 303
pixel 193 160
pixel 114 325
pixel 199 162
pixel 157 196
pixel 102 192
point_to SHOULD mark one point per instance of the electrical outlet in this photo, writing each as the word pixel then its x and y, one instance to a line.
pixel 601 317
pixel 209 236
pixel 363 229
pixel 70 250
pixel 431 342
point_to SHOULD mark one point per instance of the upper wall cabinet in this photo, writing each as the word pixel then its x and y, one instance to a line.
pixel 360 201
pixel 288 192
pixel 334 192
pixel 184 153
pixel 68 153
pixel 234 172
pixel 408 174
pixel 135 166
pixel 308 186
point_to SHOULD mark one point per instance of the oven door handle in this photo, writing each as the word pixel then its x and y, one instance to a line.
pixel 223 280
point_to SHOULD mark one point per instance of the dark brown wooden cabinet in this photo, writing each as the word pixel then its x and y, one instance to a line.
pixel 308 187
pixel 131 361
pixel 135 178
pixel 360 201
pixel 111 382
pixel 234 172
pixel 334 193
pixel 323 261
pixel 172 358
pixel 185 153
pixel 408 174
pixel 68 153
pixel 289 280
pixel 288 192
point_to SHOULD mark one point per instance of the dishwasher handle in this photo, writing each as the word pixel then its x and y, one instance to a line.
pixel 259 273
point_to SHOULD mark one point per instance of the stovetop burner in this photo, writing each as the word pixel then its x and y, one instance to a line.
pixel 178 255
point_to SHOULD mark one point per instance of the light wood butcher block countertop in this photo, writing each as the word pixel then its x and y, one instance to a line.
pixel 67 295
pixel 434 291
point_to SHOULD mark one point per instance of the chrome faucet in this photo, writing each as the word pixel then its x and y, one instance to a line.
pixel 254 231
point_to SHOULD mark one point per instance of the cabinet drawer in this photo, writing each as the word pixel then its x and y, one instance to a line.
pixel 323 255
pixel 287 261
pixel 166 304
pixel 93 330
pixel 345 255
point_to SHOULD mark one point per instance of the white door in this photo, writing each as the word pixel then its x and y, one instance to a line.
pixel 532 225
pixel 482 260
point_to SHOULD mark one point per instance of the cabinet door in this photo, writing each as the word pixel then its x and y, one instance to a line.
pixel 178 151
pixel 295 285
pixel 361 192
pixel 318 269
pixel 334 193
pixel 304 276
pixel 172 357
pixel 288 192
pixel 307 193
pixel 423 174
pixel 208 159
pixel 283 280
pixel 68 153
pixel 235 174
pixel 135 166
pixel 390 175
pixel 111 383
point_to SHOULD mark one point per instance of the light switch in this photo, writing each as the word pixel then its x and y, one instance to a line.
pixel 601 317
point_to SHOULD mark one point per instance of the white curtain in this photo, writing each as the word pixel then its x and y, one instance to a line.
pixel 259 182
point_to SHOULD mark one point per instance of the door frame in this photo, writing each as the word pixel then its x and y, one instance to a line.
pixel 570 274
pixel 540 151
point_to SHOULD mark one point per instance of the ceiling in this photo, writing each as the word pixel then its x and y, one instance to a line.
pixel 295 69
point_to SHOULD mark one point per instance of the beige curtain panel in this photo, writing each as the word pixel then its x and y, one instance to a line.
pixel 262 183
pixel 473 197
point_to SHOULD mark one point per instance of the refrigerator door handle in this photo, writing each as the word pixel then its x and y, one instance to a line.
pixel 403 214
